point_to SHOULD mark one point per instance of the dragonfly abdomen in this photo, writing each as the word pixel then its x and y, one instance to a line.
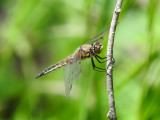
pixel 56 66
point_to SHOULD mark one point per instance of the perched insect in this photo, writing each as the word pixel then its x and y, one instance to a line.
pixel 72 64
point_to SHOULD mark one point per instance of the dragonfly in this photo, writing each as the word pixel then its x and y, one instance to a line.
pixel 72 64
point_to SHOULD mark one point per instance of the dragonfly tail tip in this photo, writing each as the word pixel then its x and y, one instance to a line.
pixel 39 75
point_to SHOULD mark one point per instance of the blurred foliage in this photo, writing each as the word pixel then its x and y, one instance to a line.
pixel 37 33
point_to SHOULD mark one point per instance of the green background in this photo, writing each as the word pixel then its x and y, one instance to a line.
pixel 35 34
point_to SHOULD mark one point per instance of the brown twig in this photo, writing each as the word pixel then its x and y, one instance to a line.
pixel 110 61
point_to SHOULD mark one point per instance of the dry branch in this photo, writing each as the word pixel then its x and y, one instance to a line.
pixel 110 62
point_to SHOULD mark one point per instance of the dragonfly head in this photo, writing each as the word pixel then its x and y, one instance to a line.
pixel 97 47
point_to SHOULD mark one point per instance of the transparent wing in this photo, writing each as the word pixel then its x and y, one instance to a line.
pixel 99 37
pixel 72 72
pixel 76 67
pixel 68 79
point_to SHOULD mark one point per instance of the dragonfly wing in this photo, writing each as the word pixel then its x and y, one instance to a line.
pixel 72 72
pixel 76 67
pixel 68 79
pixel 99 37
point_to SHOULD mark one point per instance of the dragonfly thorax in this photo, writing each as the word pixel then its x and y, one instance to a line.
pixel 97 48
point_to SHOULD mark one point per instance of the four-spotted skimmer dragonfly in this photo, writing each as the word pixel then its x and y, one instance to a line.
pixel 72 64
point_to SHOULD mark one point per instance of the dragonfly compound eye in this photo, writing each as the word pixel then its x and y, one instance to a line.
pixel 98 47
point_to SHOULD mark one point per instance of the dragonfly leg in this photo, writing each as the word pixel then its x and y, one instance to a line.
pixel 101 57
pixel 96 56
pixel 94 67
